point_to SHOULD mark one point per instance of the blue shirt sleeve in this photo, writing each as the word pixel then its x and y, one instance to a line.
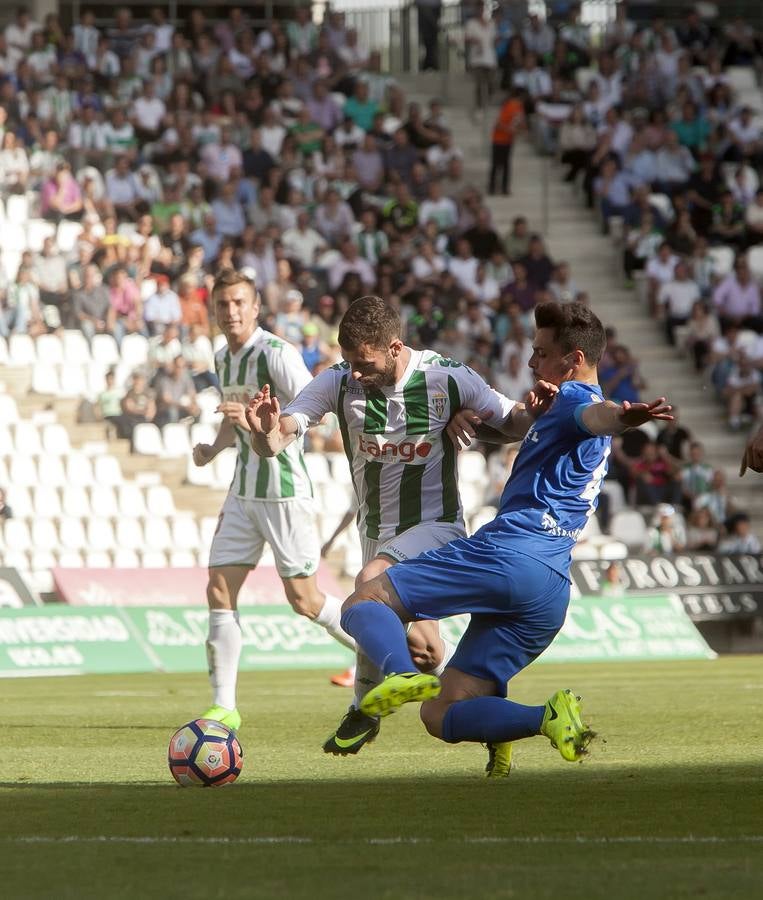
pixel 572 400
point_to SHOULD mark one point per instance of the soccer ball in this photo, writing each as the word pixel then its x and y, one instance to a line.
pixel 204 753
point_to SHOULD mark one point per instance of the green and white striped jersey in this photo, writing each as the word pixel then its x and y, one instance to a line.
pixel 403 463
pixel 265 359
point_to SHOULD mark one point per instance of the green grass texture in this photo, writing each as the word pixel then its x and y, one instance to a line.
pixel 668 804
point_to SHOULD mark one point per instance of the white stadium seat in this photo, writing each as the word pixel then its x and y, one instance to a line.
pixel 208 402
pixel 47 502
pixel 26 439
pixel 225 467
pixel 71 533
pixel 185 533
pixel 16 559
pixel 483 515
pixel 755 261
pixel 44 534
pixel 126 559
pixel 158 534
pixel 79 469
pixel 96 379
pixel 10 262
pixel 73 380
pixel 147 439
pixel 20 501
pixel 134 350
pixel 100 535
pixel 37 230
pixel 6 441
pixel 103 501
pixel 16 535
pixel 45 379
pixel 472 497
pixel 22 471
pixel 614 490
pixel 49 349
pixel 75 501
pixel 176 440
pixel 42 558
pixel 317 468
pixel 104 349
pixel 67 235
pixel 21 350
pixel 629 527
pixel 52 472
pixel 4 357
pixel 153 559
pixel 159 500
pixel 340 471
pixel 182 559
pixel 107 470
pixel 203 433
pixel 201 476
pixel 55 440
pixel 131 500
pixel 613 550
pixel 9 412
pixel 207 528
pixel 71 559
pixel 472 467
pixel 97 559
pixel 129 534
pixel 76 349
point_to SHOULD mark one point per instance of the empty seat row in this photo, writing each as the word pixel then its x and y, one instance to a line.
pixel 101 500
pixel 28 438
pixel 35 567
pixel 76 470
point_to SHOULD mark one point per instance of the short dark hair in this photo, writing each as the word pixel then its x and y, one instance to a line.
pixel 369 320
pixel 575 327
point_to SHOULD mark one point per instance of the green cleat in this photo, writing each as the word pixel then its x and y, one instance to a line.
pixel 355 730
pixel 229 717
pixel 563 726
pixel 395 690
pixel 499 761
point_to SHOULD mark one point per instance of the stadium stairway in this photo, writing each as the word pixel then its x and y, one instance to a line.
pixel 573 233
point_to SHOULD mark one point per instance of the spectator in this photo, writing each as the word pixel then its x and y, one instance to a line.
pixel 667 534
pixel 622 380
pixel 654 477
pixel 162 308
pixel 516 379
pixel 737 298
pixel 696 475
pixel 175 395
pixel 91 303
pixel 517 241
pixel 480 37
pixel 702 532
pixel 312 352
pixel 14 166
pixel 741 394
pixel 138 406
pixel 537 263
pixel 21 312
pixel 676 300
pixel 702 331
pixel 110 403
pixel 740 538
pixel 717 499
pixel 61 197
pixel 126 313
pixel 485 242
pixel 51 278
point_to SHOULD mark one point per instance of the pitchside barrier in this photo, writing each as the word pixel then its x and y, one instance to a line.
pixel 64 640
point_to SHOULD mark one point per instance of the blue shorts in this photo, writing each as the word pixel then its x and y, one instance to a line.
pixel 517 604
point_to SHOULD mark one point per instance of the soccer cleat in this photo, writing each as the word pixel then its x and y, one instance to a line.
pixel 355 730
pixel 563 726
pixel 229 717
pixel 344 679
pixel 395 690
pixel 499 761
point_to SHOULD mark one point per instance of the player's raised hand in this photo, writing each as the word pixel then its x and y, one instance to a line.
pixel 235 413
pixel 202 454
pixel 634 414
pixel 753 454
pixel 462 428
pixel 539 399
pixel 263 412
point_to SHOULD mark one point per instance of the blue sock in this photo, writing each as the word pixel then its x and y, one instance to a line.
pixel 490 720
pixel 381 635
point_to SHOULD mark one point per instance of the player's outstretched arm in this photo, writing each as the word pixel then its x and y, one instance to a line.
pixel 612 418
pixel 753 454
pixel 270 432
pixel 203 454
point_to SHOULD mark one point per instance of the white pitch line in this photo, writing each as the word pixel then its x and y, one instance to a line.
pixel 292 839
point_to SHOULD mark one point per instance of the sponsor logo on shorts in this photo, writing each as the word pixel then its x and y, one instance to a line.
pixel 376 448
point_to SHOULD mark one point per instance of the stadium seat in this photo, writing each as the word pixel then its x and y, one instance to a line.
pixel 182 559
pixel 20 501
pixel 125 558
pixel 613 550
pixel 55 440
pixel 37 230
pixel 79 469
pixel 225 467
pixel 755 261
pixel 482 517
pixel 67 235
pixel 159 500
pixel 185 533
pixel 107 471
pixel 614 490
pixel 721 260
pixel 46 501
pixel 158 534
pixel 45 379
pixel 629 527
pixel 75 501
pixel 97 559
pixel 27 439
pixel 176 440
pixel 44 534
pixel 200 476
pixel 352 562
pixel 42 559
pixel 6 441
pixel 340 471
pixel 129 534
pixel 4 479
pixel 153 559
pixel 664 206
pixel 103 501
pixel 104 349
pixel 207 528
pixel 147 288
pixel 52 472
pixel 22 471
pixel 73 380
pixel 472 467
pixel 147 439
pixel 11 260
pixel 50 349
pixel 584 550
pixel 76 348
pixel 590 529
pixel 16 535
pixel 208 402
pixel 4 357
pixel 472 497
pixel 9 412
pixel 742 78
pixel 202 433
pixel 16 559
pixel 317 468
pixel 71 559
pixel 131 500
pixel 21 350
pixel 96 379
pixel 71 533
pixel 134 350
pixel 100 535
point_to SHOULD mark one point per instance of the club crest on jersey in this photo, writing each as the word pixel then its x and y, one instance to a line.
pixel 438 404
pixel 375 447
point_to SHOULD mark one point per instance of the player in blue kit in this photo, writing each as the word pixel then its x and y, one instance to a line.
pixel 512 575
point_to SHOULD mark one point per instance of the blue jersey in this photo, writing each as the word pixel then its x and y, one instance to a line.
pixel 554 485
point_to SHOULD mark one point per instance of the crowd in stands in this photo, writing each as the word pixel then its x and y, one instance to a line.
pixel 160 155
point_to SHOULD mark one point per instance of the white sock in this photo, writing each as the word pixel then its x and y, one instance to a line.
pixel 329 617
pixel 448 650
pixel 367 676
pixel 223 653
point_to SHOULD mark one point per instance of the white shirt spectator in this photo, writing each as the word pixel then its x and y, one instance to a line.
pixel 424 268
pixel 272 137
pixel 537 81
pixel 481 35
pixel 443 211
pixel 21 37
pixel 661 272
pixel 220 159
pixel 121 190
pixel 302 245
pixel 149 112
pixel 678 297
pixel 162 308
pixel 360 266
pixel 464 271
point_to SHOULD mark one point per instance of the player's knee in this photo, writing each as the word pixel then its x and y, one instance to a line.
pixel 371 570
pixel 432 713
pixel 303 600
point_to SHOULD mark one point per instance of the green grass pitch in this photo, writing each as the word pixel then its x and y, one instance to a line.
pixel 670 806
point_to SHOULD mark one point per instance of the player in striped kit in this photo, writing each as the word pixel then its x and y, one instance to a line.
pixel 393 405
pixel 269 501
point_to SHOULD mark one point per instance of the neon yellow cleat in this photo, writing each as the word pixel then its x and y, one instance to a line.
pixel 499 761
pixel 229 717
pixel 395 690
pixel 563 726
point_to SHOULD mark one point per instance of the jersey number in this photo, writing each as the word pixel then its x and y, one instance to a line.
pixel 591 490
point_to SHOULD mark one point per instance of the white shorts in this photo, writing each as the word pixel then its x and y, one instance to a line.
pixel 288 526
pixel 425 536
